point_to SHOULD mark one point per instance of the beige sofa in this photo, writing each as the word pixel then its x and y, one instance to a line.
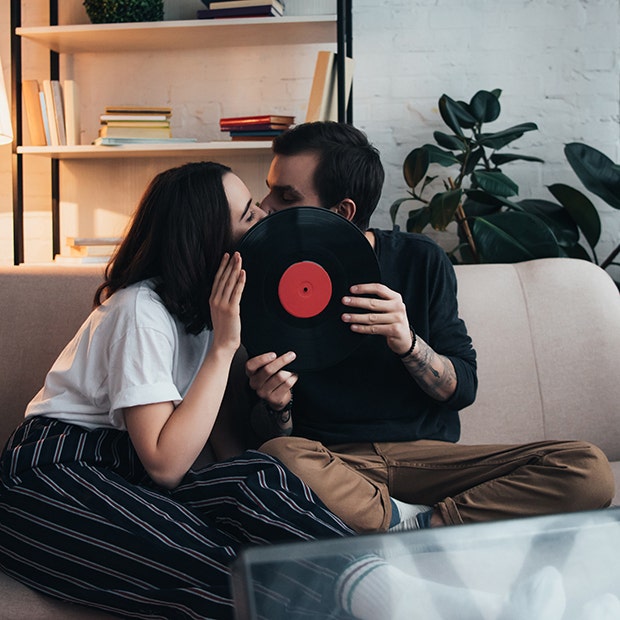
pixel 547 334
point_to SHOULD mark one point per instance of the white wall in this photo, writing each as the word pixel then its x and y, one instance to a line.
pixel 556 61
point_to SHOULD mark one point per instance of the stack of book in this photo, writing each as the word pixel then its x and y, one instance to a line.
pixel 52 112
pixel 241 8
pixel 258 127
pixel 87 250
pixel 127 124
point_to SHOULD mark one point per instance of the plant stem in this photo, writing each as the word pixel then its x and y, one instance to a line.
pixel 611 257
pixel 461 220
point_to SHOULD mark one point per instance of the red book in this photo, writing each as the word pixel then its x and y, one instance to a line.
pixel 257 127
pixel 252 121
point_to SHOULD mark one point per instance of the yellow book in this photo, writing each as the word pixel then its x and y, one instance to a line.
pixel 323 100
pixel 34 112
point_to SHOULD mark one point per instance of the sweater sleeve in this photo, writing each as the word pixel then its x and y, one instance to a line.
pixel 447 332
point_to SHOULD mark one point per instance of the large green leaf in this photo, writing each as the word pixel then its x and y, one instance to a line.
pixel 484 106
pixel 443 206
pixel 512 237
pixel 503 158
pixel 578 251
pixel 495 182
pixel 556 217
pixel 596 171
pixel 466 120
pixel 472 161
pixel 415 166
pixel 502 138
pixel 418 219
pixel 480 203
pixel 439 156
pixel 581 210
pixel 395 206
pixel 454 115
pixel 448 141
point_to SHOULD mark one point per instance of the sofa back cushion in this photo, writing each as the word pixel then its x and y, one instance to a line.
pixel 547 334
pixel 41 308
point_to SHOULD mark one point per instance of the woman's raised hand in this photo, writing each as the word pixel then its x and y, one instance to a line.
pixel 224 302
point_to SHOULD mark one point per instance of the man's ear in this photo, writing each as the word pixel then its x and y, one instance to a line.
pixel 346 208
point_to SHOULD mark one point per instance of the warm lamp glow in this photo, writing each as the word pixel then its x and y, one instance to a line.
pixel 6 131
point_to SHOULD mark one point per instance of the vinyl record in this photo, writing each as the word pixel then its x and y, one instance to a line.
pixel 300 262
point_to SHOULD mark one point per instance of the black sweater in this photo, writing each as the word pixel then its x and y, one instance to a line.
pixel 371 396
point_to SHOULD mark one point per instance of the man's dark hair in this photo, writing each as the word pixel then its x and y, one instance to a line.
pixel 177 236
pixel 349 166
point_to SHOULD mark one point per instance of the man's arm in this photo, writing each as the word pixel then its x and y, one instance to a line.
pixel 433 372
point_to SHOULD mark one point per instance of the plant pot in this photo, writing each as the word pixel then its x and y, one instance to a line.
pixel 115 11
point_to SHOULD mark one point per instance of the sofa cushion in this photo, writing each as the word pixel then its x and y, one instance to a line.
pixel 547 334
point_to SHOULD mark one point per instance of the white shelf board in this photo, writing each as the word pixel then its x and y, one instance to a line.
pixel 181 149
pixel 198 33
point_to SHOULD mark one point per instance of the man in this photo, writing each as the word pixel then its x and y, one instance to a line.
pixel 375 436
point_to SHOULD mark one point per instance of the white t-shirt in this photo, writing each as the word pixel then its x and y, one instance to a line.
pixel 129 351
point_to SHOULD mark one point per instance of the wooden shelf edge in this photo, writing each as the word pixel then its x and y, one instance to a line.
pixel 183 33
pixel 146 150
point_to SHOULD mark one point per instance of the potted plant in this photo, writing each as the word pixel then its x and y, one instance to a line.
pixel 493 225
pixel 115 11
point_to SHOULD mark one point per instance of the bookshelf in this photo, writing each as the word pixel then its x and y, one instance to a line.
pixel 155 37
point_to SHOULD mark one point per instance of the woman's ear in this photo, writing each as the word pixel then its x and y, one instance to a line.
pixel 346 208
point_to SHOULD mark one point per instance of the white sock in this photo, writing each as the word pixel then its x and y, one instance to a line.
pixel 541 596
pixel 407 514
pixel 370 588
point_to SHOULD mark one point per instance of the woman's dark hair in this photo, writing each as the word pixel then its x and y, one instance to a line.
pixel 349 166
pixel 177 236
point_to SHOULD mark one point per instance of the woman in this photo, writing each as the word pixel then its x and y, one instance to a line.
pixel 98 501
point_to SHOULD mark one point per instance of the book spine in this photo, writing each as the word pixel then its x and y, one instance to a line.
pixel 51 113
pixel 134 132
pixel 231 4
pixel 133 117
pixel 323 100
pixel 81 241
pixel 46 125
pixel 72 112
pixel 256 126
pixel 266 132
pixel 34 113
pixel 250 121
pixel 249 11
pixel 322 86
pixel 59 109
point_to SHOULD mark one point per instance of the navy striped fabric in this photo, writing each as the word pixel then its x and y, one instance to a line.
pixel 80 520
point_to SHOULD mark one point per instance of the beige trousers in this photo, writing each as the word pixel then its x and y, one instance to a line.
pixel 466 484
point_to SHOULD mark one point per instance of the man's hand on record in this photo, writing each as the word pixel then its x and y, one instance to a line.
pixel 384 313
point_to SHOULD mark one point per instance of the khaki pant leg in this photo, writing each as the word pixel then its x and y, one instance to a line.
pixel 349 479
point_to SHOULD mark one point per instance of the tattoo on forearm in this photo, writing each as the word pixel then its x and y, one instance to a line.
pixel 433 373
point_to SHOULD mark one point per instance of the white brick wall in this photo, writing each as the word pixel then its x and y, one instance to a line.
pixel 556 61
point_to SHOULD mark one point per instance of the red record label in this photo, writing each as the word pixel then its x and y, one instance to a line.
pixel 305 289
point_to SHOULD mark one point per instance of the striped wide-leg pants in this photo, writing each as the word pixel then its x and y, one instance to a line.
pixel 81 521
